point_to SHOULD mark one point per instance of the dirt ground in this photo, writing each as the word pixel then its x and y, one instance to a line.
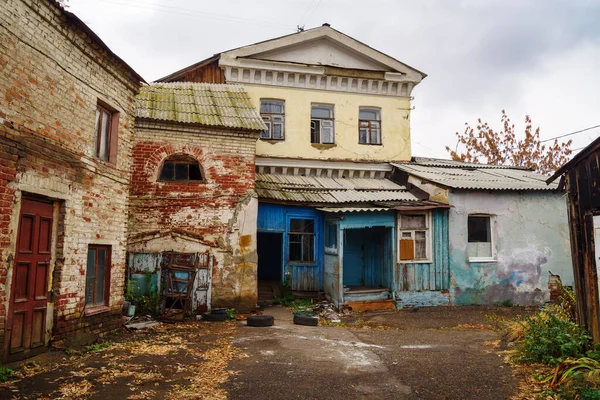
pixel 434 353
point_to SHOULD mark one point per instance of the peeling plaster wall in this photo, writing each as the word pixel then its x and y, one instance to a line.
pixel 217 215
pixel 532 238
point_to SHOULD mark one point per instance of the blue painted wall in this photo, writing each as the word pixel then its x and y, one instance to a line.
pixel 276 218
pixel 435 275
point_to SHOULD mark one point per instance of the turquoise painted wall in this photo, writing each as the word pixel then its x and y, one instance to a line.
pixel 532 239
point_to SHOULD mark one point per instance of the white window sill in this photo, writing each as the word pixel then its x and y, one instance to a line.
pixel 482 260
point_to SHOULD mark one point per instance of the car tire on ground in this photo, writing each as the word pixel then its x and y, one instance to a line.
pixel 260 320
pixel 306 320
pixel 214 317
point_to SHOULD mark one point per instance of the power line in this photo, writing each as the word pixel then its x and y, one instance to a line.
pixel 193 13
pixel 569 134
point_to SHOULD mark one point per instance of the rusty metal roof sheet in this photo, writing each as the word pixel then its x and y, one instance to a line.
pixel 459 175
pixel 219 105
pixel 312 189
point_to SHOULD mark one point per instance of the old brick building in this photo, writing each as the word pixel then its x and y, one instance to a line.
pixel 67 118
pixel 192 187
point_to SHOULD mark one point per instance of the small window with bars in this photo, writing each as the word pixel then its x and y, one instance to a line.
pixel 322 126
pixel 369 126
pixel 273 115
pixel 414 237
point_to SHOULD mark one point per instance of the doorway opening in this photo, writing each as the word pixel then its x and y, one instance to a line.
pixel 270 255
pixel 366 259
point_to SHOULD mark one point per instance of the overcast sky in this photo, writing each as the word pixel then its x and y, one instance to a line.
pixel 540 58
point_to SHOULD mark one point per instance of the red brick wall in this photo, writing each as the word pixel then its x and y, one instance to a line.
pixel 218 215
pixel 51 78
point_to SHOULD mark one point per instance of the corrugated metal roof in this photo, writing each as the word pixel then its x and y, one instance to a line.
pixel 352 209
pixel 311 189
pixel 478 176
pixel 220 105
pixel 439 162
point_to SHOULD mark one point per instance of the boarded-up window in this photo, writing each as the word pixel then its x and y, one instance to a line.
pixel 414 237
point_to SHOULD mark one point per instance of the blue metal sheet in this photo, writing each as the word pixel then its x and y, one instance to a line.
pixel 276 218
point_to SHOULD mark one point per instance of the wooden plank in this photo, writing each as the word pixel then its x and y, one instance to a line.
pixel 376 305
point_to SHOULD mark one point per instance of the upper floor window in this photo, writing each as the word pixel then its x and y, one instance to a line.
pixel 369 126
pixel 180 168
pixel 322 128
pixel 105 133
pixel 273 114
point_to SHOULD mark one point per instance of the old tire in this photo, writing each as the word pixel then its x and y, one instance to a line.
pixel 215 311
pixel 306 320
pixel 214 317
pixel 260 320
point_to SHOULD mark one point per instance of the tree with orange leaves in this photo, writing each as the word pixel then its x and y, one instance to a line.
pixel 483 144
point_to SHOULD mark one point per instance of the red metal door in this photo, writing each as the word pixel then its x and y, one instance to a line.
pixel 25 335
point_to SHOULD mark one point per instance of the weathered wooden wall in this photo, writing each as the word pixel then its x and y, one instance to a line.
pixel 583 187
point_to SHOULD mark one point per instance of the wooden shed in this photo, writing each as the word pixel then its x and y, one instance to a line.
pixel 581 178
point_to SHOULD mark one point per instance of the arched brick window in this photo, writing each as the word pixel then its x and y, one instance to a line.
pixel 181 167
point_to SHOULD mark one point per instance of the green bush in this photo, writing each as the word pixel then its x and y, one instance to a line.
pixel 589 394
pixel 549 339
pixel 5 373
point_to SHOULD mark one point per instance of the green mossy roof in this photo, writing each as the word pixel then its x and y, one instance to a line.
pixel 211 104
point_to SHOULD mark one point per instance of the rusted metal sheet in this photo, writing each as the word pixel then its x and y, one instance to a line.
pixel 158 266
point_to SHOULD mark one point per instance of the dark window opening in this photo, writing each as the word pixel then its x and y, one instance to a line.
pixel 302 241
pixel 97 275
pixel 180 168
pixel 479 229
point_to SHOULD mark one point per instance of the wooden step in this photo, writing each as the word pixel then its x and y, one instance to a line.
pixel 372 305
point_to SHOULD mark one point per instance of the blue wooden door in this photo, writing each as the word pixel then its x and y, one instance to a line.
pixel 353 258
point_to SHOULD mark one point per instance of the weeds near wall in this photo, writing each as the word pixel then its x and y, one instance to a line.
pixel 552 337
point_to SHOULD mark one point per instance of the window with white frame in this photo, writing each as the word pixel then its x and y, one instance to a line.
pixel 415 237
pixel 480 238
pixel 273 114
pixel 322 127
pixel 369 125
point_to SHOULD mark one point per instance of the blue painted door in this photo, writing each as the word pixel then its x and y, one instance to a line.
pixel 353 258
pixel 364 259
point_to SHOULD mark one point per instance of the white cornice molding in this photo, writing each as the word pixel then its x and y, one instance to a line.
pixel 304 77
